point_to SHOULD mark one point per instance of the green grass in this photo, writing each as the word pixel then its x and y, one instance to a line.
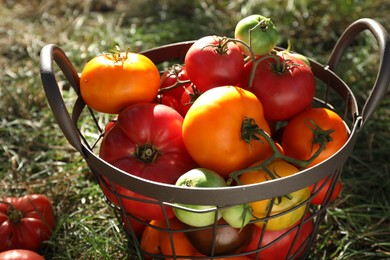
pixel 36 158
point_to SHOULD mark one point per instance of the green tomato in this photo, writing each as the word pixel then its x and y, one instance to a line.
pixel 300 57
pixel 258 32
pixel 202 178
pixel 237 216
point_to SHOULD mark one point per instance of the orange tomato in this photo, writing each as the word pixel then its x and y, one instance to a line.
pixel 111 82
pixel 260 208
pixel 213 134
pixel 182 246
pixel 156 240
pixel 150 240
pixel 298 137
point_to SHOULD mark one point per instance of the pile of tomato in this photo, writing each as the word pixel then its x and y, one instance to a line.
pixel 25 224
pixel 236 112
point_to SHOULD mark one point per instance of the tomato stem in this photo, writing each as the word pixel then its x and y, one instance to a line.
pixel 250 130
pixel 193 95
pixel 147 153
pixel 262 24
pixel 221 48
pixel 174 70
pixel 14 215
pixel 117 56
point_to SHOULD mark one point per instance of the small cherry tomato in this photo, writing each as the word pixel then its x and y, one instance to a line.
pixel 174 81
pixel 168 100
pixel 190 94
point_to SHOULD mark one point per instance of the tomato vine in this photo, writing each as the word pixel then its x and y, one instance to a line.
pixel 250 130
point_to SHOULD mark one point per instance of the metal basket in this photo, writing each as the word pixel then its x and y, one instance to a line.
pixel 167 195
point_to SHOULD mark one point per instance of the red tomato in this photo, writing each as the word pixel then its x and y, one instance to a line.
pixel 284 85
pixel 20 254
pixel 133 225
pixel 111 82
pixel 174 81
pixel 189 96
pixel 146 141
pixel 276 244
pixel 168 100
pixel 301 134
pixel 25 222
pixel 322 189
pixel 109 125
pixel 213 130
pixel 212 62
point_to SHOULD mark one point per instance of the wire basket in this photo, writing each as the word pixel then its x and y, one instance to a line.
pixel 166 196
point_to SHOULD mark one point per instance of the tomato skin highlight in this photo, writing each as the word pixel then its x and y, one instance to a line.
pixel 212 130
pixel 297 140
pixel 208 68
pixel 20 254
pixel 109 85
pixel 146 141
pixel 25 222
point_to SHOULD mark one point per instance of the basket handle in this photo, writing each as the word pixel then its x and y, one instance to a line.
pixel 383 76
pixel 50 53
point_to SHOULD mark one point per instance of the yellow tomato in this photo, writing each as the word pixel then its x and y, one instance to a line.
pixel 281 204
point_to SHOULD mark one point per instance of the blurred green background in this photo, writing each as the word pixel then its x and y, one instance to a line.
pixel 36 158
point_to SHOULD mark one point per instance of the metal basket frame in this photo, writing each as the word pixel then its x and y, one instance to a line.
pixel 169 195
